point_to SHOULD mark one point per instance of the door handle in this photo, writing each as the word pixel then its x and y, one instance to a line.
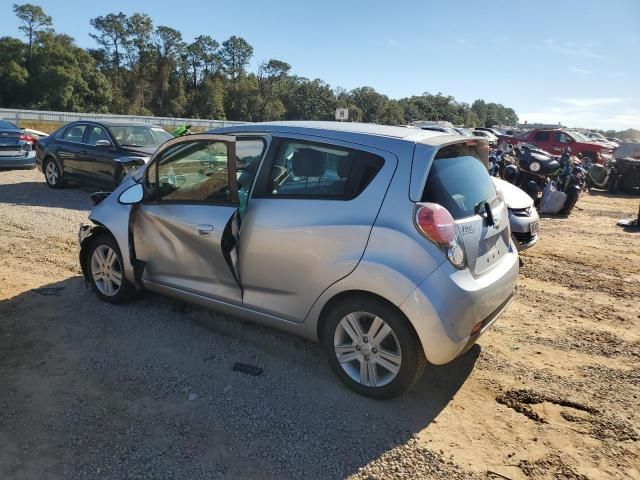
pixel 204 230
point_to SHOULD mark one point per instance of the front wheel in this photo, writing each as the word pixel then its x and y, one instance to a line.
pixel 372 348
pixel 106 272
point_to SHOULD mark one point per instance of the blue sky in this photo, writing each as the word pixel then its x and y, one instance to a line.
pixel 570 61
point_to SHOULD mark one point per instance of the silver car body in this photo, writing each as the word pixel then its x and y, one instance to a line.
pixel 294 257
pixel 523 216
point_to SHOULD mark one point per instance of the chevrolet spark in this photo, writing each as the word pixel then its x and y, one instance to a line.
pixel 388 245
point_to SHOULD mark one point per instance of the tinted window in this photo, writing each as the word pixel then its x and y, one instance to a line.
pixel 97 133
pixel 312 170
pixel 74 133
pixel 195 171
pixel 541 136
pixel 140 135
pixel 458 181
pixel 7 125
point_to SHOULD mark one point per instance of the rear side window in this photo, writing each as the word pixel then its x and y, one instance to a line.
pixel 542 136
pixel 318 170
pixel 74 133
pixel 459 181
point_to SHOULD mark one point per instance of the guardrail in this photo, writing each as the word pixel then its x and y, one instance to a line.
pixel 15 115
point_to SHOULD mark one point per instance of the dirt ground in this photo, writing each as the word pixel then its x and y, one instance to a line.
pixel 146 390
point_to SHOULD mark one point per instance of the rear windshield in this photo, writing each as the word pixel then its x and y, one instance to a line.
pixel 459 181
pixel 8 125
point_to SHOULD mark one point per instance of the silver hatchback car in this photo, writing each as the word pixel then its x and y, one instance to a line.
pixel 388 245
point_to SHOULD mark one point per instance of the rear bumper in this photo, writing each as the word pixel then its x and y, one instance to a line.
pixel 521 229
pixel 24 161
pixel 451 309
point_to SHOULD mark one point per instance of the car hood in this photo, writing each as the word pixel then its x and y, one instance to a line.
pixel 514 197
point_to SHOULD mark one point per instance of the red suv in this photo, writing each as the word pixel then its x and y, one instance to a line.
pixel 556 140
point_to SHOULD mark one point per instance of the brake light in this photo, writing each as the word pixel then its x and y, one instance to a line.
pixel 435 222
pixel 27 138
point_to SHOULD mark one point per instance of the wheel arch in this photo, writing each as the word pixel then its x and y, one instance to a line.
pixel 347 294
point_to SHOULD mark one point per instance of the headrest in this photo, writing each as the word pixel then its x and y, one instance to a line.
pixel 307 162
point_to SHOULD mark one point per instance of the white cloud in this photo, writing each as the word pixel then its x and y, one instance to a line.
pixel 579 70
pixel 587 103
pixel 571 48
pixel 602 113
pixel 391 41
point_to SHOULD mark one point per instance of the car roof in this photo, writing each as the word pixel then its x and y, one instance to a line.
pixel 112 123
pixel 342 130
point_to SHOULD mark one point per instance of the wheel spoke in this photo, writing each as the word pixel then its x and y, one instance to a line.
pixel 389 361
pixel 381 335
pixel 100 257
pixel 373 378
pixel 364 372
pixel 108 290
pixel 340 349
pixel 116 278
pixel 351 325
pixel 375 326
pixel 111 256
pixel 348 357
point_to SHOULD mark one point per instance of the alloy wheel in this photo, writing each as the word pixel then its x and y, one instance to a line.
pixel 367 349
pixel 51 173
pixel 106 270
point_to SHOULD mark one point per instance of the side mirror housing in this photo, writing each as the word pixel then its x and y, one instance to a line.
pixel 104 144
pixel 132 195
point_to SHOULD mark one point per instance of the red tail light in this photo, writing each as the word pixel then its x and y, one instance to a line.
pixel 435 222
pixel 27 138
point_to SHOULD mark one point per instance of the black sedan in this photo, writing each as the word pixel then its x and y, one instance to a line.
pixel 97 154
pixel 16 147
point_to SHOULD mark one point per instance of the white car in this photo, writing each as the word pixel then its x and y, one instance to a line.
pixel 523 217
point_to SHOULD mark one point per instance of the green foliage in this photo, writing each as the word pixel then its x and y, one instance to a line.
pixel 143 69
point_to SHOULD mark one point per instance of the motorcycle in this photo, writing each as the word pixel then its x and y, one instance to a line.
pixel 535 169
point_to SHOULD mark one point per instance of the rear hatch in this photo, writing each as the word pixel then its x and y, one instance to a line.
pixel 458 180
pixel 11 143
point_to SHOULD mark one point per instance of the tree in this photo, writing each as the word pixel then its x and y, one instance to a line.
pixel 202 58
pixel 169 46
pixel 235 55
pixel 112 35
pixel 13 74
pixel 33 20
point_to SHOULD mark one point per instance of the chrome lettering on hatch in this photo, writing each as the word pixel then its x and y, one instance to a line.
pixel 466 229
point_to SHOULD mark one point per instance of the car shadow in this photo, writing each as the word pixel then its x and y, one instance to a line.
pixel 38 194
pixel 158 365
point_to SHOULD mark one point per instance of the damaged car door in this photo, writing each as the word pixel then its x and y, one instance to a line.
pixel 185 231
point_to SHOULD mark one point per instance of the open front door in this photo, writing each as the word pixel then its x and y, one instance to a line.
pixel 185 234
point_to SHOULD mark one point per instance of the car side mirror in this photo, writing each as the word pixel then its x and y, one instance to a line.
pixel 104 144
pixel 132 195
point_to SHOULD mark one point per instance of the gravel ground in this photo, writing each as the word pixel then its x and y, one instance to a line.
pixel 147 389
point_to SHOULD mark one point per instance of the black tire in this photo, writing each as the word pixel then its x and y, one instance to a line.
pixel 125 290
pixel 59 182
pixel 413 360
pixel 591 156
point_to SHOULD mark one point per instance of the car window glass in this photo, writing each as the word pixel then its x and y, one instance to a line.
pixel 311 170
pixel 74 133
pixel 541 136
pixel 194 171
pixel 97 133
pixel 140 135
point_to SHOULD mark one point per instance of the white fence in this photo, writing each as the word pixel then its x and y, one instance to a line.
pixel 64 117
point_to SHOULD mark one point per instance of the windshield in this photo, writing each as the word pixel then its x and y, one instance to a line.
pixel 580 136
pixel 459 181
pixel 7 125
pixel 140 135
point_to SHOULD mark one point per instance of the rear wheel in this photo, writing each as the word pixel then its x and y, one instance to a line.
pixel 52 173
pixel 106 272
pixel 372 348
